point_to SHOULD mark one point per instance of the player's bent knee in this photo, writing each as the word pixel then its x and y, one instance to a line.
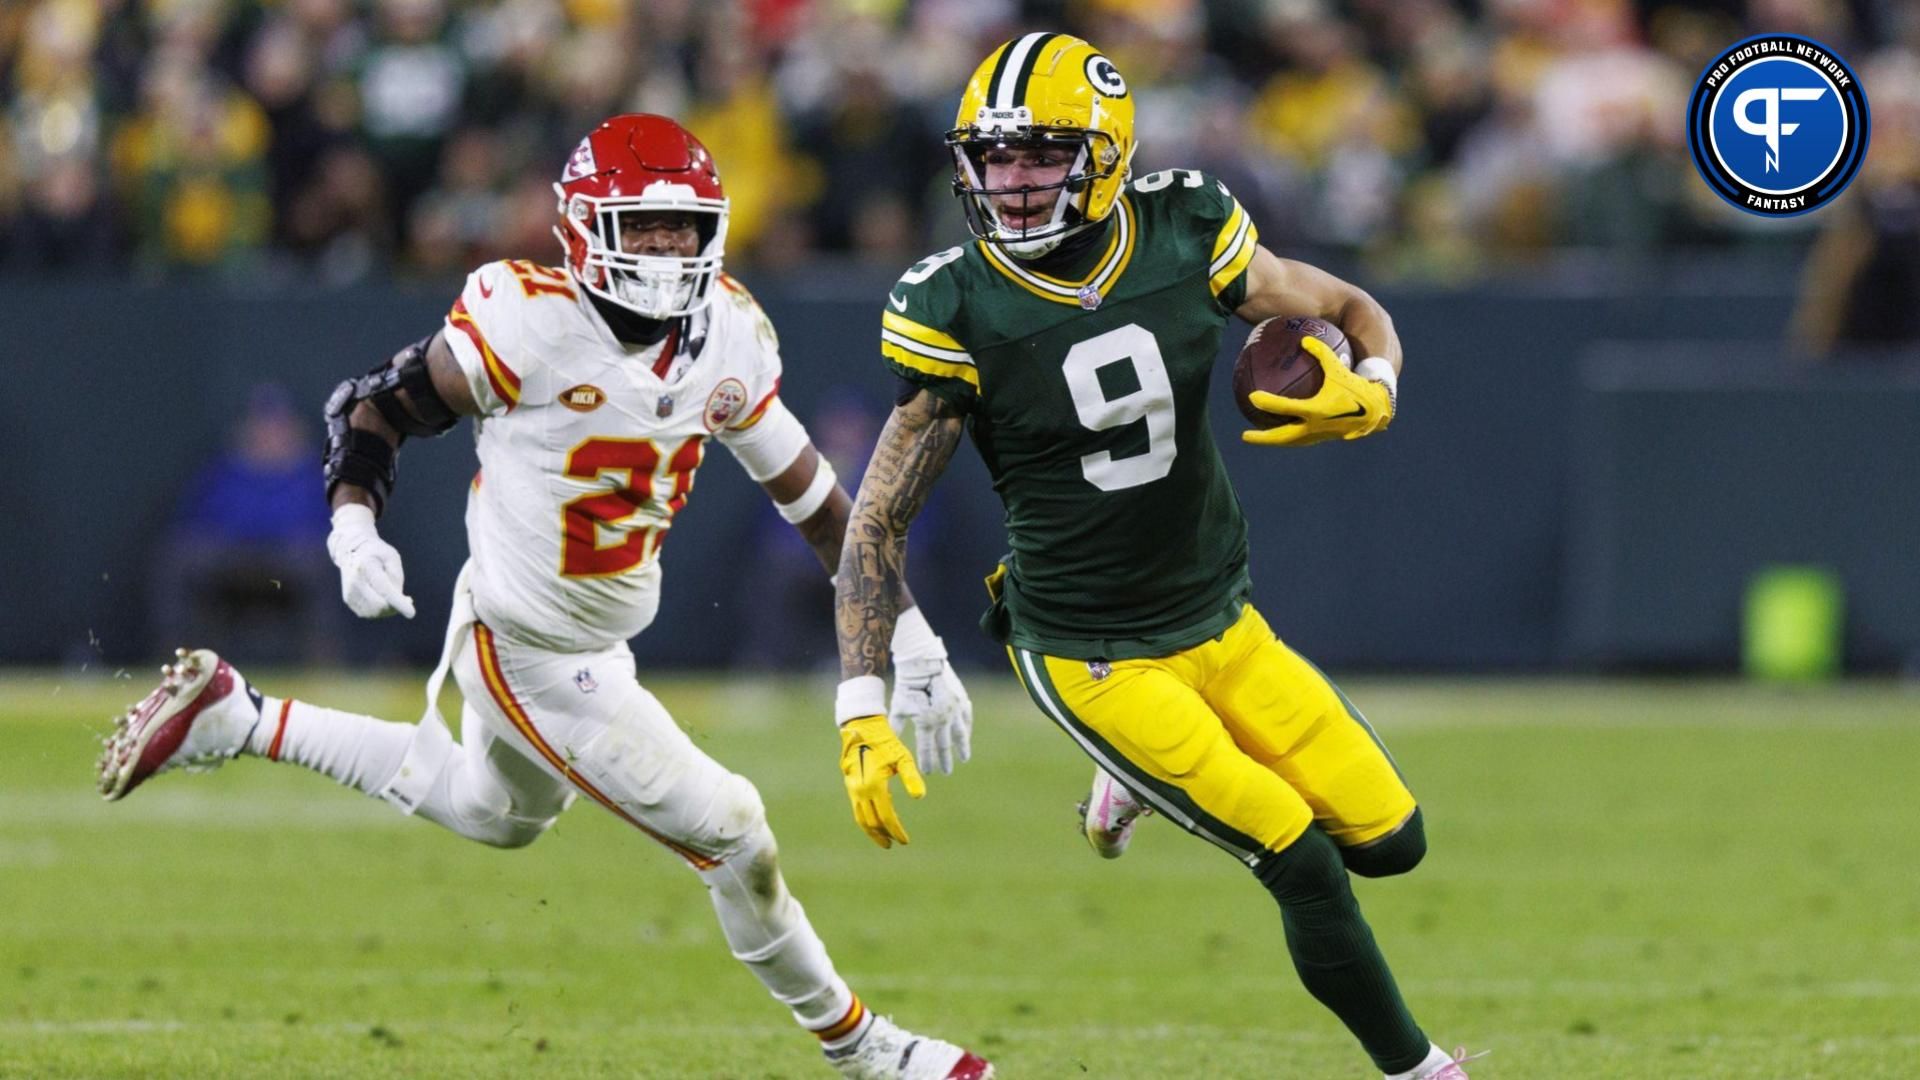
pixel 736 821
pixel 1308 871
pixel 488 817
pixel 512 832
pixel 718 814
pixel 1395 853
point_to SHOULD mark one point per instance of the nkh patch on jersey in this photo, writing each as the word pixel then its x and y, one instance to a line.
pixel 583 398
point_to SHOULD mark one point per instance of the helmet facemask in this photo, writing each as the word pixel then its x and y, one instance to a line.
pixel 1095 157
pixel 652 286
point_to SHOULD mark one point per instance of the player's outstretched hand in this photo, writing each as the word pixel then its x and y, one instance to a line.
pixel 871 755
pixel 1348 406
pixel 371 579
pixel 927 694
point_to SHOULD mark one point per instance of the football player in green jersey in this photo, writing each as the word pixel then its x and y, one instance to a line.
pixel 1074 340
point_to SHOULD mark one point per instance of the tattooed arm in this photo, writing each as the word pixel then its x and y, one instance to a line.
pixel 913 451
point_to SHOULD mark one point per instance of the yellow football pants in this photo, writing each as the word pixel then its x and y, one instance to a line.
pixel 1238 739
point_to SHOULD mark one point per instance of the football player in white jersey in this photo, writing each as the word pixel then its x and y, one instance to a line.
pixel 595 389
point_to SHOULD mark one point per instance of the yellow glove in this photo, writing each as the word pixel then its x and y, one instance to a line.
pixel 1348 406
pixel 870 753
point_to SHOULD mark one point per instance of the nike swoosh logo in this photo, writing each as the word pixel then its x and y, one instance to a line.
pixel 1354 415
pixel 898 304
pixel 485 289
pixel 863 759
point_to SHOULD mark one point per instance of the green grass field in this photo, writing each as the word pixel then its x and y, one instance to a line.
pixel 1626 880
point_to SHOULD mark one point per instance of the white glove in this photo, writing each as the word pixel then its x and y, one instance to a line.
pixel 371 581
pixel 928 695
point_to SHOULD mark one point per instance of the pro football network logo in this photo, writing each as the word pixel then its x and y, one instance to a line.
pixel 1778 125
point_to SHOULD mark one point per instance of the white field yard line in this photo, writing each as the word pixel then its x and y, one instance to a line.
pixel 1242 984
pixel 1451 700
pixel 33 851
pixel 179 800
pixel 1010 1031
pixel 1526 989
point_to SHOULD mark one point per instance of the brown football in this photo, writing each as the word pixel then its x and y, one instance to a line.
pixel 1272 360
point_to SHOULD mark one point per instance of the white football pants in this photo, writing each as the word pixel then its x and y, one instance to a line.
pixel 540 728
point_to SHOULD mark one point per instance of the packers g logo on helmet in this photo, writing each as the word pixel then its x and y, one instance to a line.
pixel 1043 90
pixel 1105 77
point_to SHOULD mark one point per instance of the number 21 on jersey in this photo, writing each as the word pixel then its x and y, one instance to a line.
pixel 583 519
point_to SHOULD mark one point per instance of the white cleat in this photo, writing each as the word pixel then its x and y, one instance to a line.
pixel 890 1052
pixel 199 716
pixel 1108 815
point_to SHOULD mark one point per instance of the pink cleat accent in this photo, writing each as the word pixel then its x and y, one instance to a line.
pixel 1455 1069
pixel 1108 815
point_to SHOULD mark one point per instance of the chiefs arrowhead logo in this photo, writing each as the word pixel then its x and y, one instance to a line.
pixel 583 398
pixel 725 403
pixel 581 163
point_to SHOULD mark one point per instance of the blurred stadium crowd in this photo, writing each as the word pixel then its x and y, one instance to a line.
pixel 346 139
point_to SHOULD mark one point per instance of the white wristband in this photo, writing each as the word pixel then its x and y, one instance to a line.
pixel 353 515
pixel 1377 369
pixel 862 695
pixel 914 639
pixel 812 499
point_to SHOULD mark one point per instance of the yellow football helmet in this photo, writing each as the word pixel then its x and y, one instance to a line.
pixel 1043 90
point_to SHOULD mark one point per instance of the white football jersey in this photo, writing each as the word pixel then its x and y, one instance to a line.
pixel 588 448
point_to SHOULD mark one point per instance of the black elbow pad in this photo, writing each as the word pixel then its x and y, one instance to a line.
pixel 424 414
pixel 363 458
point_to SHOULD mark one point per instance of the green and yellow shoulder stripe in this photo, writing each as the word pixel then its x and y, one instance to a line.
pixel 1207 218
pixel 914 334
pixel 1233 247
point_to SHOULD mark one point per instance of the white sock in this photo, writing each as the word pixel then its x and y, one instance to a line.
pixel 358 751
pixel 1435 1058
pixel 849 1029
pixel 768 931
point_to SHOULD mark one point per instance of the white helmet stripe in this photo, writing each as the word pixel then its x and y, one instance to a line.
pixel 1010 73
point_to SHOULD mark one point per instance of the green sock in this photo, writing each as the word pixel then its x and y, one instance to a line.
pixel 1334 952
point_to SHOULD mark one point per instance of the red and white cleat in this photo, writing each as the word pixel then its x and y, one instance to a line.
pixel 199 716
pixel 890 1052
pixel 1108 815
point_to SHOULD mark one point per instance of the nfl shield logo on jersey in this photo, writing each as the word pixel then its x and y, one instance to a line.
pixel 1089 297
pixel 584 680
pixel 664 407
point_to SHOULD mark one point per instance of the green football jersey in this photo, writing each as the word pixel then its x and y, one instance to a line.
pixel 1087 399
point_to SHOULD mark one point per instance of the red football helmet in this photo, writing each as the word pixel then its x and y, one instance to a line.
pixel 633 164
